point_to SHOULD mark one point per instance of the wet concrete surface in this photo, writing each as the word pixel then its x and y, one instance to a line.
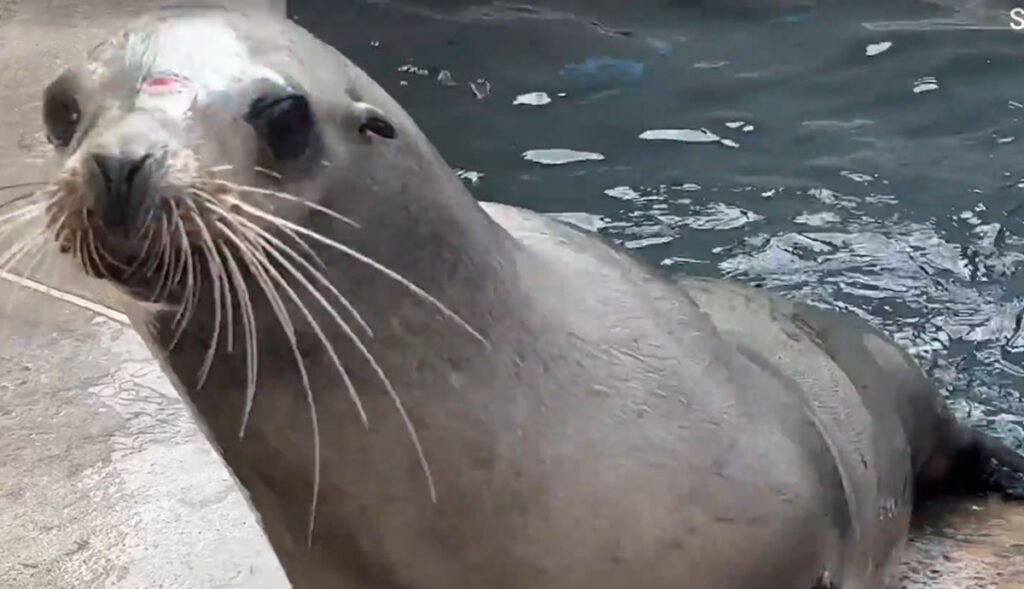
pixel 105 480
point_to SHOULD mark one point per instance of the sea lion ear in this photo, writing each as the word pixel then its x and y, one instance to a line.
pixel 373 120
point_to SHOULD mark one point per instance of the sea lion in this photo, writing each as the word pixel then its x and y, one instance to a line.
pixel 418 390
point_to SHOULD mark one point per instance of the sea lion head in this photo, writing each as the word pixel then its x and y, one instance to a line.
pixel 190 135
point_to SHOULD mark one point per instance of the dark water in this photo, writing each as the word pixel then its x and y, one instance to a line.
pixel 843 184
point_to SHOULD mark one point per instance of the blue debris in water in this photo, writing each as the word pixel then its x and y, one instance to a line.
pixel 603 70
pixel 662 47
pixel 796 18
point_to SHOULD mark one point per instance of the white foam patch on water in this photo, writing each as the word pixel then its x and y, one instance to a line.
pixel 532 99
pixel 831 197
pixel 817 219
pixel 413 69
pixel 710 64
pixel 721 217
pixel 877 48
pixel 659 195
pixel 559 156
pixel 925 84
pixel 856 176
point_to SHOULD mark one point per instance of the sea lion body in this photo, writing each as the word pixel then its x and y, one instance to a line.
pixel 585 421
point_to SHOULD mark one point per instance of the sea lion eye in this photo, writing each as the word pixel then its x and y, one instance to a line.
pixel 61 111
pixel 285 123
pixel 373 120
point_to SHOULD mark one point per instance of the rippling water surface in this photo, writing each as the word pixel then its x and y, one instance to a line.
pixel 864 156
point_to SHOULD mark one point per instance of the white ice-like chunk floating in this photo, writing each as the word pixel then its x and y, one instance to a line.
pixel 643 242
pixel 558 156
pixel 470 175
pixel 532 99
pixel 684 135
pixel 623 193
pixel 877 48
pixel 926 84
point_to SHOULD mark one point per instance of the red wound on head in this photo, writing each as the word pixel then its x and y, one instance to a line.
pixel 164 84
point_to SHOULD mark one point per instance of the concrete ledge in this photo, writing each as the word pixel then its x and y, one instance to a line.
pixel 105 480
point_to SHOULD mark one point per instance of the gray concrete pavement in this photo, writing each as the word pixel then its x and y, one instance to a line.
pixel 105 481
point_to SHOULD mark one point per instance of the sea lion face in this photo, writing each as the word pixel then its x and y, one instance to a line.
pixel 182 138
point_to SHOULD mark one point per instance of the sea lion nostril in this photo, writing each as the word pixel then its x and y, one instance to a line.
pixel 122 193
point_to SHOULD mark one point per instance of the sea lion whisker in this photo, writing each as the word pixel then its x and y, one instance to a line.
pixel 12 256
pixel 194 286
pixel 109 258
pixel 410 428
pixel 21 247
pixel 204 369
pixel 268 248
pixel 167 277
pixel 212 268
pixel 18 249
pixel 93 252
pixel 181 246
pixel 270 173
pixel 27 247
pixel 11 227
pixel 165 261
pixel 253 263
pixel 294 255
pixel 23 185
pixel 34 208
pixel 154 259
pixel 248 328
pixel 284 196
pixel 187 297
pixel 41 253
pixel 76 252
pixel 21 198
pixel 209 198
pixel 143 255
pixel 422 294
pixel 229 304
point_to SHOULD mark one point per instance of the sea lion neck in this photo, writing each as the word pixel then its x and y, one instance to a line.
pixel 414 216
